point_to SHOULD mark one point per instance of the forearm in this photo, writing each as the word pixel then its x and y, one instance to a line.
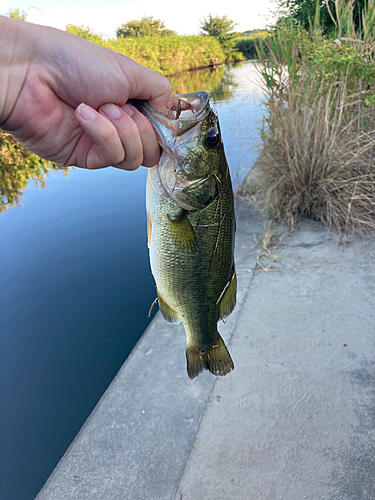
pixel 17 41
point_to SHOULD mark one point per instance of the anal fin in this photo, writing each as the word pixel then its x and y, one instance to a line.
pixel 227 299
pixel 167 312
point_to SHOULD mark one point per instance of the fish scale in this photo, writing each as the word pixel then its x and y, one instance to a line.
pixel 191 235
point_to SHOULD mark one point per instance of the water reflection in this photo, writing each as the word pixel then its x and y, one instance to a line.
pixel 218 81
pixel 76 286
pixel 17 167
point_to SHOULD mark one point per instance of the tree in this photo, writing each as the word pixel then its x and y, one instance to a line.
pixel 147 26
pixel 221 28
pixel 17 14
pixel 17 167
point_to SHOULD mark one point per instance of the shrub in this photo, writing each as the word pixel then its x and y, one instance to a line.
pixel 316 162
pixel 86 33
pixel 318 155
pixel 248 44
pixel 234 56
pixel 17 167
pixel 168 54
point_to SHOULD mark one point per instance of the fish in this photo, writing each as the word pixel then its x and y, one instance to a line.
pixel 191 228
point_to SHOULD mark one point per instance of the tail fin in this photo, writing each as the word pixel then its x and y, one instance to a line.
pixel 216 359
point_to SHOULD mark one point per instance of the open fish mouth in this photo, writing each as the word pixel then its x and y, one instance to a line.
pixel 182 166
pixel 187 110
pixel 184 112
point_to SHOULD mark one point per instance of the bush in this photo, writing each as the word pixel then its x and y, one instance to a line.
pixel 316 162
pixel 17 167
pixel 235 56
pixel 86 33
pixel 248 44
pixel 318 155
pixel 168 54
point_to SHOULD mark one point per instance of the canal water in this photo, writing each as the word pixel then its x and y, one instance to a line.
pixel 76 287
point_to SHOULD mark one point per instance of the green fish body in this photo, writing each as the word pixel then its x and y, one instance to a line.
pixel 191 226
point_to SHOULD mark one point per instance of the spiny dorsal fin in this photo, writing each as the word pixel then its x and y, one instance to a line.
pixel 167 312
pixel 216 359
pixel 227 299
pixel 183 235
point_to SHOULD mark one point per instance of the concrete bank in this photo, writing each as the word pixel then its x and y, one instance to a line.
pixel 294 420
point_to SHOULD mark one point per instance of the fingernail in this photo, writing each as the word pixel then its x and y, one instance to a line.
pixel 111 110
pixel 86 112
pixel 128 109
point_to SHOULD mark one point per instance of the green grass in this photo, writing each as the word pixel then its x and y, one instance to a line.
pixel 318 154
pixel 168 55
pixel 248 44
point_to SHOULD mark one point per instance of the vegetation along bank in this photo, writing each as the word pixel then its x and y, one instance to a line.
pixel 150 43
pixel 317 156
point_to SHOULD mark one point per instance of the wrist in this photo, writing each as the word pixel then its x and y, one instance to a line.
pixel 17 41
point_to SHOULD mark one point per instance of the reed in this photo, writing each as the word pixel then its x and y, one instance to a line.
pixel 318 155
pixel 168 55
pixel 248 44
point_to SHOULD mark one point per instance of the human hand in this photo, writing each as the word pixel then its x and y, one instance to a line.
pixel 65 99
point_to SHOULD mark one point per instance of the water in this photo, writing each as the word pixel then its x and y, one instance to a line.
pixel 76 287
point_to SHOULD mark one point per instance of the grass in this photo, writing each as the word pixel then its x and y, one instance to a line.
pixel 267 246
pixel 168 55
pixel 316 163
pixel 318 153
pixel 248 44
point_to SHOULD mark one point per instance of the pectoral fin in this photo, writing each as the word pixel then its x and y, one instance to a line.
pixel 228 296
pixel 183 235
pixel 167 312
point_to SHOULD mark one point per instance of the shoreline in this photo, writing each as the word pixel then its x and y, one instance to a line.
pixel 293 418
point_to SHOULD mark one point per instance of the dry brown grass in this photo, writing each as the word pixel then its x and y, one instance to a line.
pixel 318 160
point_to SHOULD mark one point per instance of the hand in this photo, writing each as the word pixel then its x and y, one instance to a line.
pixel 65 99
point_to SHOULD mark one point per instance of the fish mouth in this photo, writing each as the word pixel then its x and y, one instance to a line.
pixel 184 112
pixel 179 133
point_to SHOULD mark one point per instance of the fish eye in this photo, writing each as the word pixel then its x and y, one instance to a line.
pixel 212 138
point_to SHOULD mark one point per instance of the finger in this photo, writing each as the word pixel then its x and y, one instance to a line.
pixel 150 145
pixel 128 133
pixel 107 148
pixel 150 86
pixel 160 101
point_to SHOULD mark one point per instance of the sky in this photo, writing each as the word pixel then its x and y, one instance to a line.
pixel 104 16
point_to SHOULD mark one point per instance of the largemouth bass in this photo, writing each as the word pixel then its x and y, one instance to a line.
pixel 191 226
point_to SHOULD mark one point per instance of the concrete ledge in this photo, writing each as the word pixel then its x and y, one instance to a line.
pixel 294 420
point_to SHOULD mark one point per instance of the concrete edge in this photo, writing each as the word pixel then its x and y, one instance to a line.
pixel 163 391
